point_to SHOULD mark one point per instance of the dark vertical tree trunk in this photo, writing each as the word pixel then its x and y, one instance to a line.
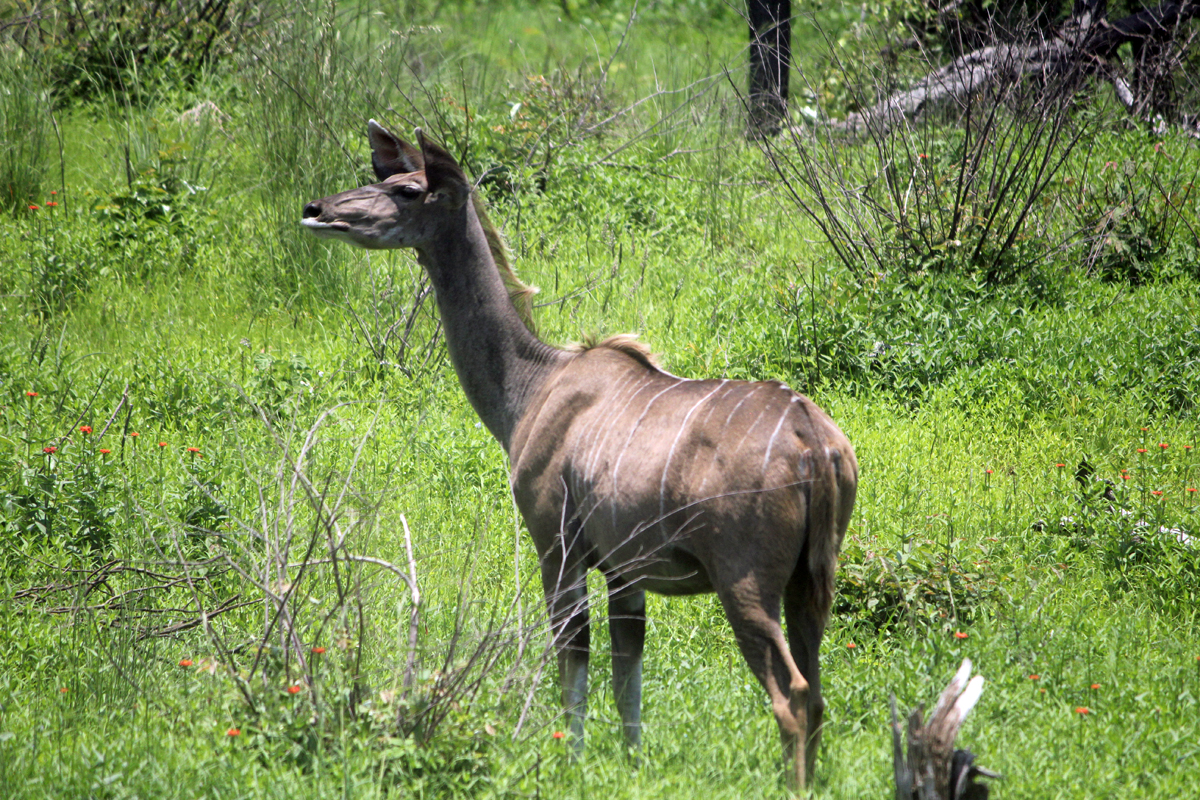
pixel 770 62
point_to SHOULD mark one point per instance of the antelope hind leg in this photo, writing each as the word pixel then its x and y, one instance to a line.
pixel 760 638
pixel 627 627
pixel 806 620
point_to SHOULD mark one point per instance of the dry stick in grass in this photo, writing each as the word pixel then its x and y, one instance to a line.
pixel 415 614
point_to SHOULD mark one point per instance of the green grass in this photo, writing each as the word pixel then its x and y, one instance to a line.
pixel 170 292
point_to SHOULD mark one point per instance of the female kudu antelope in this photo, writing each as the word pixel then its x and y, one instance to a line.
pixel 672 485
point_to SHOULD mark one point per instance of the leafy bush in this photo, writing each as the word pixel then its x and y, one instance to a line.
pixel 918 585
pixel 1141 210
pixel 96 48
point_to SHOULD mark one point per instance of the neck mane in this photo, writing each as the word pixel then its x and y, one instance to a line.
pixel 519 293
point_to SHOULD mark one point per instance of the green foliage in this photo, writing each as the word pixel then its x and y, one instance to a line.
pixel 1142 218
pixel 916 588
pixel 170 293
pixel 25 131
pixel 92 48
pixel 910 335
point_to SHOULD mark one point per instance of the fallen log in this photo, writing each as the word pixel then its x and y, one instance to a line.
pixel 1084 46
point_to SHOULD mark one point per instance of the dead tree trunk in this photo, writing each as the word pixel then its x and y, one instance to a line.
pixel 770 63
pixel 933 769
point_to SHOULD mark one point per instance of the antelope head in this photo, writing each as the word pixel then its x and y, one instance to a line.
pixel 417 190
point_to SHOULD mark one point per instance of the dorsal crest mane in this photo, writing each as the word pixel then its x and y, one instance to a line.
pixel 626 343
pixel 520 293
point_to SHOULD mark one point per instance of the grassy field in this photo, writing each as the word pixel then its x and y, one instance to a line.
pixel 214 439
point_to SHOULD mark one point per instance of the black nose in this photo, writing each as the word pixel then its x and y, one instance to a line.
pixel 312 209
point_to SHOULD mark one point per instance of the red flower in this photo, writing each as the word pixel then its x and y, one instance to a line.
pixel 193 449
pixel 1083 710
pixel 961 634
pixel 51 204
pixel 63 690
pixel 53 192
pixel 185 662
pixel 1141 449
pixel 234 732
pixel 988 471
pixel 50 449
pixel 162 444
pixel 922 155
pixel 1156 493
pixel 293 689
pixel 104 451
pixel 1191 488
pixel 31 394
pixel 1035 677
pixel 1095 686
pixel 1125 477
pixel 851 645
pixel 134 434
pixel 557 734
pixel 33 208
pixel 318 650
pixel 1060 466
pixel 85 428
pixel 1187 447
pixel 1163 445
pixel 1145 429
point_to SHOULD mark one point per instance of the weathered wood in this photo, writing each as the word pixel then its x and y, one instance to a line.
pixel 933 769
pixel 1083 46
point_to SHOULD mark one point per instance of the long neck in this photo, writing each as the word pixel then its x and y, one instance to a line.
pixel 499 362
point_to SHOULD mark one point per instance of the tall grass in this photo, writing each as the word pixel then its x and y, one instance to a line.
pixel 318 462
pixel 26 135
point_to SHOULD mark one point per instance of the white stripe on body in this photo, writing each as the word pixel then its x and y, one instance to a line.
pixel 662 486
pixel 771 442
pixel 586 439
pixel 625 448
pixel 603 422
pixel 738 446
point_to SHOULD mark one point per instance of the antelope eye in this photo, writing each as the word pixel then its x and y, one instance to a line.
pixel 408 190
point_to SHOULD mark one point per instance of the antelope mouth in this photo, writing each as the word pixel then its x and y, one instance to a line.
pixel 318 227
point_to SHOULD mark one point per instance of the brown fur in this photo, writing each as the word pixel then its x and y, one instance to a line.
pixel 664 484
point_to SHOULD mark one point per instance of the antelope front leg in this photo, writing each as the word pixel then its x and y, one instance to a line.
pixel 565 584
pixel 627 627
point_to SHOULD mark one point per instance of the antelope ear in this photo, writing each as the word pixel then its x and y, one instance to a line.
pixel 391 155
pixel 443 175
